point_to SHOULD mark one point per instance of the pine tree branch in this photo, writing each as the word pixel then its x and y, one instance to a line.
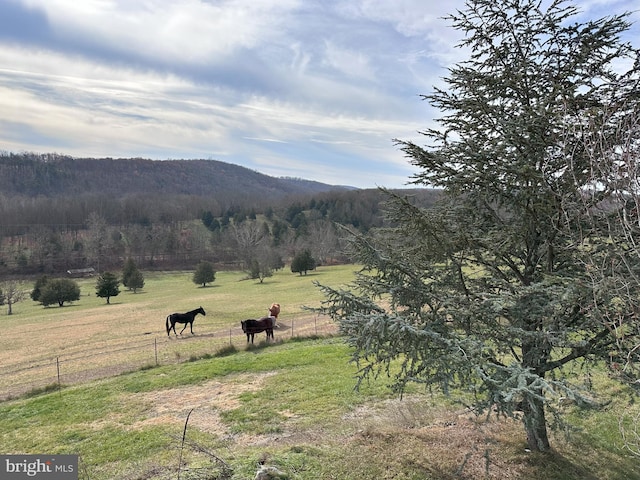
pixel 579 352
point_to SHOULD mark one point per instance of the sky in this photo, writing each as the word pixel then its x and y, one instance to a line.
pixel 313 89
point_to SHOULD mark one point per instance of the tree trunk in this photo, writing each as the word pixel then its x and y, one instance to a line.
pixel 535 425
pixel 535 354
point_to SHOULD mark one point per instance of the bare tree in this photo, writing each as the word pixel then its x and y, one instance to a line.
pixel 613 139
pixel 13 292
pixel 324 240
pixel 249 236
pixel 96 238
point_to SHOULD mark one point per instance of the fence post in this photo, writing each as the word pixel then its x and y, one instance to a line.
pixel 58 370
pixel 155 348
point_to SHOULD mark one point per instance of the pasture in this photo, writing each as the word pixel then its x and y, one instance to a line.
pixel 90 338
pixel 290 404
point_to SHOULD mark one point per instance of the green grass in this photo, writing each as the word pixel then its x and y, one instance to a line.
pixel 230 297
pixel 95 420
pixel 291 403
pixel 305 417
pixel 83 335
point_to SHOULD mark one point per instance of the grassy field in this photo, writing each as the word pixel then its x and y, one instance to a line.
pixel 290 404
pixel 90 338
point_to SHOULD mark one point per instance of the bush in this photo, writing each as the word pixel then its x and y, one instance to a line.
pixel 58 290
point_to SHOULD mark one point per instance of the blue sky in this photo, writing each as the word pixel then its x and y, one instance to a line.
pixel 316 89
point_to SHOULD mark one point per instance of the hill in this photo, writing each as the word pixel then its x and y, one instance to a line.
pixel 61 213
pixel 53 175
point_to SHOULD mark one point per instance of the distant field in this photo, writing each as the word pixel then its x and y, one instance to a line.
pixel 90 338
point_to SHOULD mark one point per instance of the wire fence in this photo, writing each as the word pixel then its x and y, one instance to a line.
pixel 100 360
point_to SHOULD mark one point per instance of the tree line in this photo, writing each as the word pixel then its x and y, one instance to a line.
pixel 58 291
pixel 59 234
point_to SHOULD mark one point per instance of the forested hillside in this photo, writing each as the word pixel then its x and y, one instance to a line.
pixel 57 175
pixel 59 213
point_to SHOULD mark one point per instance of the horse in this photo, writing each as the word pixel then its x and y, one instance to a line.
pixel 252 326
pixel 274 311
pixel 186 318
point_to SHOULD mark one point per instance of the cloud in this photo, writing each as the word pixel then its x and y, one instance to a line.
pixel 311 88
pixel 353 64
pixel 189 31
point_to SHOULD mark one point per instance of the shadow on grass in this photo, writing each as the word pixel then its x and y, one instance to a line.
pixel 555 465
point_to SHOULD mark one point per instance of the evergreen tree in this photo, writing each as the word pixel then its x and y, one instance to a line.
pixel 135 281
pixel 132 278
pixel 204 274
pixel 303 262
pixel 207 219
pixel 528 264
pixel 59 290
pixel 37 288
pixel 128 268
pixel 108 286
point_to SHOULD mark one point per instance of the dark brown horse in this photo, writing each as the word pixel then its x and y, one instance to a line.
pixel 186 318
pixel 264 324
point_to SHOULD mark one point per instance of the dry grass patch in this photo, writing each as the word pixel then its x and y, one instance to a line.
pixel 447 443
pixel 171 406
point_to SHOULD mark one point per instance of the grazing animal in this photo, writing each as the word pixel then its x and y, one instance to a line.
pixel 274 311
pixel 252 326
pixel 186 318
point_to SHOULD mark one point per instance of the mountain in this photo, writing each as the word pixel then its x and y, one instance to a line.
pixel 53 175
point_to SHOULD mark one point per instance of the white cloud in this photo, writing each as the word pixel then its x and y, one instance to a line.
pixel 191 31
pixel 315 86
pixel 410 18
pixel 349 62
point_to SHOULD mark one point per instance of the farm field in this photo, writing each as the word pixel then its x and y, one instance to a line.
pixel 290 404
pixel 90 338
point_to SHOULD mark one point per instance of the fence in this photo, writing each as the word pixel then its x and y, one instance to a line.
pixel 105 360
